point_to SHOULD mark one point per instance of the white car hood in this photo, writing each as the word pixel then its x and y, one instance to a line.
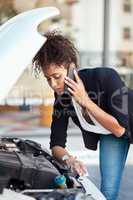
pixel 19 42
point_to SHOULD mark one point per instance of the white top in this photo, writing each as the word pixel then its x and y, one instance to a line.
pixel 96 128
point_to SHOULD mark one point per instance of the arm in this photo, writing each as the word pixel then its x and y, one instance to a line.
pixel 58 140
pixel 58 126
pixel 107 120
pixel 77 166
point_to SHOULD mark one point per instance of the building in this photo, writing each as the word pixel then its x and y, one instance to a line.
pixel 121 31
pixel 88 26
pixel 87 23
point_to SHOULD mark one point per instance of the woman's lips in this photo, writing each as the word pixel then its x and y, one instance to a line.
pixel 58 90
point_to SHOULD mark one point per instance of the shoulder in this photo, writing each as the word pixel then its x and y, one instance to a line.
pixel 100 70
pixel 97 72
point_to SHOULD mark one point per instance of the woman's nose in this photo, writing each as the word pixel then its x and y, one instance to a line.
pixel 53 84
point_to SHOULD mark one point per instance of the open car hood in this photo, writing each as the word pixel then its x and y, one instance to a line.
pixel 19 43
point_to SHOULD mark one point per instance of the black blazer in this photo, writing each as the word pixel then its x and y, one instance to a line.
pixel 105 87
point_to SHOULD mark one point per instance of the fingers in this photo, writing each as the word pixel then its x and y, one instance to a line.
pixel 77 166
pixel 70 84
pixel 73 84
pixel 69 80
pixel 81 169
pixel 71 91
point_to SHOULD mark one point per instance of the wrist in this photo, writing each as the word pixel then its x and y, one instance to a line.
pixel 84 101
pixel 88 103
pixel 67 159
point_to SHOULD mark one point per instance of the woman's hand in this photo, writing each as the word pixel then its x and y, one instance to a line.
pixel 76 166
pixel 77 89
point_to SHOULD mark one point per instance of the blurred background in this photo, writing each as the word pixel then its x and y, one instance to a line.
pixel 102 31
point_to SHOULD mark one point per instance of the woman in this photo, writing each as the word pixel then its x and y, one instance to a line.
pixel 98 92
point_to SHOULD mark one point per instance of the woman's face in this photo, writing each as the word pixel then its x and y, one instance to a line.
pixel 55 76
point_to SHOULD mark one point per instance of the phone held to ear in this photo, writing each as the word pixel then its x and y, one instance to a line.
pixel 71 75
pixel 66 96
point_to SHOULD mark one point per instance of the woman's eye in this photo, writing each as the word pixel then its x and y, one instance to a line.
pixel 57 77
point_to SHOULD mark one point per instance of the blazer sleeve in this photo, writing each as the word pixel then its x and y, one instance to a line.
pixel 59 125
pixel 117 97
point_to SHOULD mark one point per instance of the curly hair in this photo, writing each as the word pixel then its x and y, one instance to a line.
pixel 57 50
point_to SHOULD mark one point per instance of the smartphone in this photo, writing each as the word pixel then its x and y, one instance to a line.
pixel 71 75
